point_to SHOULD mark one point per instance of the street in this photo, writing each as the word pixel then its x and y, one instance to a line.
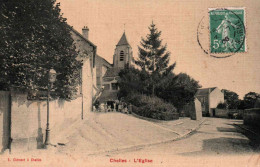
pixel 215 137
pixel 218 142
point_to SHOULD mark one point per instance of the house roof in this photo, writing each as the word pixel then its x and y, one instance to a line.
pixel 204 91
pixel 85 39
pixel 112 72
pixel 123 40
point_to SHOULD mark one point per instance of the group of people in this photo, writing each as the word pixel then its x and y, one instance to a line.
pixel 113 106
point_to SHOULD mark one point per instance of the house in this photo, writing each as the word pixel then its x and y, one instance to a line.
pixel 87 53
pixel 209 98
pixel 123 57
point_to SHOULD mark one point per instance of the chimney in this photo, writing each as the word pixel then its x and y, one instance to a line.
pixel 85 32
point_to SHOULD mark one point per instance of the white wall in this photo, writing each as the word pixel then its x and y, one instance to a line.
pixel 86 53
pixel 87 85
pixel 28 120
pixel 215 97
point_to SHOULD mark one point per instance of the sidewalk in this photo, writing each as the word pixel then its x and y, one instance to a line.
pixel 111 132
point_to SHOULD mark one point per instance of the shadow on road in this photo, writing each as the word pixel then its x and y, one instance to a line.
pixel 222 146
pixel 224 129
pixel 253 137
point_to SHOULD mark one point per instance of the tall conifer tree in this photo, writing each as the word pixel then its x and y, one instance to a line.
pixel 153 56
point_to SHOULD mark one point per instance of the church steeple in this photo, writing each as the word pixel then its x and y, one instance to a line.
pixel 123 40
pixel 123 53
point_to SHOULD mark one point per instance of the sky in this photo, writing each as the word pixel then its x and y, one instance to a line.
pixel 178 20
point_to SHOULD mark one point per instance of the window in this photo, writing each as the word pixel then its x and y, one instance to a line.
pixel 114 86
pixel 106 86
pixel 122 56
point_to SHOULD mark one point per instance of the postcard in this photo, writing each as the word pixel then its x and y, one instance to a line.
pixel 101 83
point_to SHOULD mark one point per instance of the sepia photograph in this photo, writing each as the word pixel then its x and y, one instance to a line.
pixel 125 83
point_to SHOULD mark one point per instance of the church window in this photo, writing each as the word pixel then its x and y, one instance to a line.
pixel 114 86
pixel 122 56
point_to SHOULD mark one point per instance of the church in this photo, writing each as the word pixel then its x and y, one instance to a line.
pixel 123 57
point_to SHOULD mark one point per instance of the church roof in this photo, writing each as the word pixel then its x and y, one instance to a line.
pixel 112 72
pixel 123 40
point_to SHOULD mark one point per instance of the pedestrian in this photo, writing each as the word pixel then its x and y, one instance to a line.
pixel 130 108
pixel 105 107
pixel 120 107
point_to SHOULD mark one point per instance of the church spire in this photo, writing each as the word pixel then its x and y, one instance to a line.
pixel 123 40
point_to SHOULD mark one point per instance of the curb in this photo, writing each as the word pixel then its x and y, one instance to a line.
pixel 136 147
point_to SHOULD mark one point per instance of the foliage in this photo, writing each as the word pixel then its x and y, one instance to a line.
pixel 250 99
pixel 241 105
pixel 178 89
pixel 153 57
pixel 35 38
pixel 222 105
pixel 156 77
pixel 133 80
pixel 231 99
pixel 151 107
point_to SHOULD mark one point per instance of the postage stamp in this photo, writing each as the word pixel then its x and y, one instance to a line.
pixel 227 30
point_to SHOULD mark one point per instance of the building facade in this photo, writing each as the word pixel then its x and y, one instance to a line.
pixel 209 98
pixel 87 53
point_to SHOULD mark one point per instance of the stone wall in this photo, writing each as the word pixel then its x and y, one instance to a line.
pixel 221 113
pixel 252 117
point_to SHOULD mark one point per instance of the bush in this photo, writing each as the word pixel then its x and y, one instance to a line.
pixel 152 107
pixel 222 106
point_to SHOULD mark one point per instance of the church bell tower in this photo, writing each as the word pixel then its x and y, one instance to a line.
pixel 123 55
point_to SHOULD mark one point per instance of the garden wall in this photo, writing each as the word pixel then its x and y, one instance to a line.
pixel 221 113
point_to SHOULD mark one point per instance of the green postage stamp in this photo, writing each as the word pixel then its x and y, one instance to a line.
pixel 227 30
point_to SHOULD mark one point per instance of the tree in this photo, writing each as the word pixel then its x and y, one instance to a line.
pixel 231 99
pixel 132 81
pixel 223 105
pixel 36 38
pixel 178 89
pixel 250 99
pixel 153 57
